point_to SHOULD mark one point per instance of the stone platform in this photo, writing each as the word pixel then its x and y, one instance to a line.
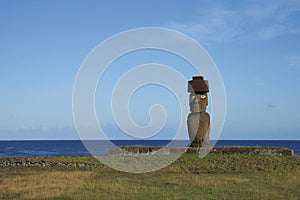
pixel 248 150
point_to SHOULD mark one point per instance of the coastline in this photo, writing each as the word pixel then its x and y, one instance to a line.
pixel 77 147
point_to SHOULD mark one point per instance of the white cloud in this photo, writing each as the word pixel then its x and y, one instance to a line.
pixel 254 20
pixel 39 133
pixel 293 60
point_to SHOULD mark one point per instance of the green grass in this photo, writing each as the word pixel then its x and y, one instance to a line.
pixel 213 177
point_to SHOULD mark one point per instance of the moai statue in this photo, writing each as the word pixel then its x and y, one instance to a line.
pixel 198 120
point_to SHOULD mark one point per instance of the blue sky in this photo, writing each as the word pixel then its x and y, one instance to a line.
pixel 255 44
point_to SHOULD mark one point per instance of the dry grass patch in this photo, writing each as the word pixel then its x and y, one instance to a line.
pixel 200 180
pixel 120 185
pixel 43 184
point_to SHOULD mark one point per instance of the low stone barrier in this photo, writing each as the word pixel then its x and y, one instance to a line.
pixel 37 161
pixel 253 150
pixel 215 150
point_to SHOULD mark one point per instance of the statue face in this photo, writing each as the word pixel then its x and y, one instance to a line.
pixel 198 102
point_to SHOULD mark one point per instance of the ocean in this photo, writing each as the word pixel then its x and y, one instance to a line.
pixel 77 148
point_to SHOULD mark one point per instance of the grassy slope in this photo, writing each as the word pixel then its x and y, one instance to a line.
pixel 213 177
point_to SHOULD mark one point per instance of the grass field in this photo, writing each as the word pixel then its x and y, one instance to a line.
pixel 213 177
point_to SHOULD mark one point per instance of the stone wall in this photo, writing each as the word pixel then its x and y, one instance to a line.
pixel 39 161
pixel 214 150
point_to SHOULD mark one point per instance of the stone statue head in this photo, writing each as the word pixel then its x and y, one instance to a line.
pixel 198 87
pixel 198 102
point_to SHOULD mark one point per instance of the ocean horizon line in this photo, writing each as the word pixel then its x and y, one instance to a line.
pixel 8 140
